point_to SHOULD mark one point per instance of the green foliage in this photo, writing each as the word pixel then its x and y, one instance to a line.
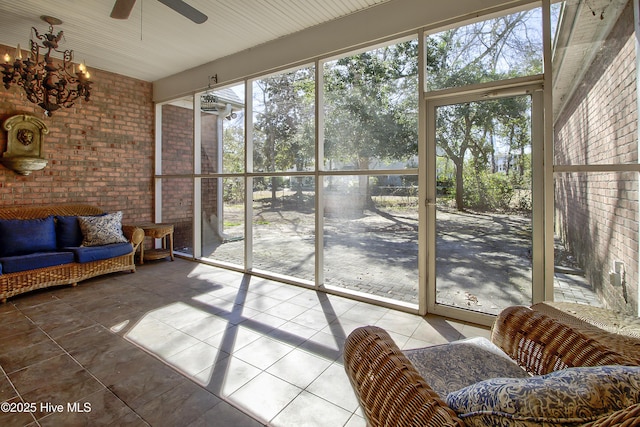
pixel 371 103
pixel 284 129
pixel 487 191
pixel 233 190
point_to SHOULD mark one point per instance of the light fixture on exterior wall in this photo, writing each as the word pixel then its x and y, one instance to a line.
pixel 210 102
pixel 46 83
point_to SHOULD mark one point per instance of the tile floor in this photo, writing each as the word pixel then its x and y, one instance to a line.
pixel 184 344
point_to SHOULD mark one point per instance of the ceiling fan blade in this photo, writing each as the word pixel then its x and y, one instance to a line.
pixel 122 9
pixel 185 10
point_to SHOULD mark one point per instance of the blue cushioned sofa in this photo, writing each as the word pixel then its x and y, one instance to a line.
pixel 42 246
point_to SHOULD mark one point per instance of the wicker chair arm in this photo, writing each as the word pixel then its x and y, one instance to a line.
pixel 390 390
pixel 626 417
pixel 134 234
pixel 541 344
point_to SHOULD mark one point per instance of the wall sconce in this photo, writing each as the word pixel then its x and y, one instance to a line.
pixel 25 138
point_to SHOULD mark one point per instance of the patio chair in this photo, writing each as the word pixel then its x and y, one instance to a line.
pixel 531 358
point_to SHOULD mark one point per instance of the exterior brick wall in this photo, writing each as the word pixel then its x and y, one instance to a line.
pixel 100 152
pixel 597 213
pixel 177 158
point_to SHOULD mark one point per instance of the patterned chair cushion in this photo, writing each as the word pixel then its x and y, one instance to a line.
pixel 568 397
pixel 102 230
pixel 455 365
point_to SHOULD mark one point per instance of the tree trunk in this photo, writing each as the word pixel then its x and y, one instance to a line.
pixel 459 186
pixel 274 184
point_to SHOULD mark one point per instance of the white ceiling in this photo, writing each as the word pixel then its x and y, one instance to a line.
pixel 155 41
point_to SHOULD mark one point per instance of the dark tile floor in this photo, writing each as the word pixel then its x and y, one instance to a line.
pixel 184 344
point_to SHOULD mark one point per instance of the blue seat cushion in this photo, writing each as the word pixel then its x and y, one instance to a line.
pixel 15 264
pixel 96 253
pixel 26 236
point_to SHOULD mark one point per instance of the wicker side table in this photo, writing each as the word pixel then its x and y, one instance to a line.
pixel 157 231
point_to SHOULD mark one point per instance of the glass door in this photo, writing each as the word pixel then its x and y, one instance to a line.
pixel 482 198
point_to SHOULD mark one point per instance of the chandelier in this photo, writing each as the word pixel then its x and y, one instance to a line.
pixel 46 83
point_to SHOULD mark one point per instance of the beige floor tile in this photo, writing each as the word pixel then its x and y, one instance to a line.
pixel 299 368
pixel 224 414
pixel 186 317
pixel 206 327
pixel 356 421
pixel 333 385
pixel 227 376
pixel 264 396
pixel 309 410
pixel 260 302
pixel 287 310
pixel 324 345
pixel 263 322
pixel 366 313
pixel 196 358
pixel 292 333
pixel 314 318
pixel 263 352
pixel 234 338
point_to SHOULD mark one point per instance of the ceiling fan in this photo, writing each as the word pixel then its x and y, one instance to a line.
pixel 122 9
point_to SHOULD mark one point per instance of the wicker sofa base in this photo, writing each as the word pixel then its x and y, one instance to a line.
pixel 67 274
pixel 12 284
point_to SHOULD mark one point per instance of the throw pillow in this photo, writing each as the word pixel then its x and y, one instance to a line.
pixel 102 230
pixel 68 231
pixel 25 236
pixel 570 396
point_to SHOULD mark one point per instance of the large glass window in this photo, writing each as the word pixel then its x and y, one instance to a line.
pixel 496 49
pixel 284 122
pixel 223 219
pixel 284 225
pixel 370 221
pixel 371 235
pixel 222 130
pixel 344 181
pixel 370 109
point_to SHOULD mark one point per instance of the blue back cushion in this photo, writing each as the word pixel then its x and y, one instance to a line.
pixel 24 236
pixel 68 231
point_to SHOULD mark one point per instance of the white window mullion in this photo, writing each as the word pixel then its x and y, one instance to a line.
pixel 319 179
pixel 248 182
pixel 197 181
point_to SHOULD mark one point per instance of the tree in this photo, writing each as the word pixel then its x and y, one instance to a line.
pixel 497 49
pixel 284 125
pixel 371 105
pixel 370 110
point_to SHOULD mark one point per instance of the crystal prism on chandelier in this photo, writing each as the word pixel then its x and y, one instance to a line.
pixel 49 84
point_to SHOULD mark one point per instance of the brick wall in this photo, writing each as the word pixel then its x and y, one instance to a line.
pixel 177 158
pixel 100 152
pixel 597 213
